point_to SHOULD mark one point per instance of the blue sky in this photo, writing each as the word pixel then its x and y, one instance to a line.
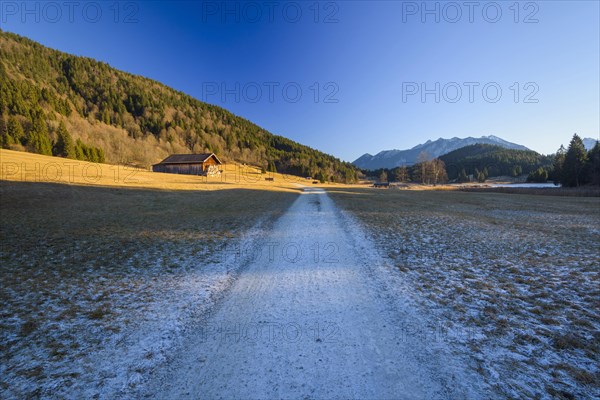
pixel 347 77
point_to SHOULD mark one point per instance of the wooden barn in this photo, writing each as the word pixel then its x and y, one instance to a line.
pixel 206 164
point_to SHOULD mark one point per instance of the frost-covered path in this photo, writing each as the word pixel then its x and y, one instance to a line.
pixel 310 317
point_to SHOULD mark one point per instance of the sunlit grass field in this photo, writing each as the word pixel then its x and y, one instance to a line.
pixel 512 280
pixel 92 267
pixel 29 167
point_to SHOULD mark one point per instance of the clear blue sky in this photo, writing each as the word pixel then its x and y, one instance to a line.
pixel 363 55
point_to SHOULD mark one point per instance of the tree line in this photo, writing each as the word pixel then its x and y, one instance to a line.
pixel 36 138
pixel 575 166
pixel 428 172
pixel 570 167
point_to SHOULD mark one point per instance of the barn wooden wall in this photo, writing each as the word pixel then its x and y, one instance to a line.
pixel 186 169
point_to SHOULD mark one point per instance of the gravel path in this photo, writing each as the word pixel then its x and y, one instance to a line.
pixel 315 314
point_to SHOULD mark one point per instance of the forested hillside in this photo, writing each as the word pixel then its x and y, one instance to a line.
pixel 494 160
pixel 55 103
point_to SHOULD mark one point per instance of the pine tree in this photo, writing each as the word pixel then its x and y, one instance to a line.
pixel 5 139
pixel 100 155
pixel 593 165
pixel 93 154
pixel 15 130
pixel 574 164
pixel 320 176
pixel 557 164
pixel 462 177
pixel 481 177
pixel 38 138
pixel 517 170
pixel 79 150
pixel 106 116
pixel 88 154
pixel 64 146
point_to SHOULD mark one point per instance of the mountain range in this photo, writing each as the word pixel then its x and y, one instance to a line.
pixel 428 150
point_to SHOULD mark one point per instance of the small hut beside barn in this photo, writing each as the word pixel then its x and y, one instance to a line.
pixel 207 164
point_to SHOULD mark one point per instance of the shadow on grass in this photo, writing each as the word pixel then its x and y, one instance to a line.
pixel 44 223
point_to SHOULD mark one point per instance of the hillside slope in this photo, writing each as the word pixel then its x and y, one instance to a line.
pixel 132 119
pixel 496 160
pixel 430 149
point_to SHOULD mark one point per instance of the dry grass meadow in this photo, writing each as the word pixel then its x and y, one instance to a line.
pixel 513 280
pixel 110 265
pixel 29 167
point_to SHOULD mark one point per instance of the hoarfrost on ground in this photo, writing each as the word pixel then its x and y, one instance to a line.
pixel 97 335
pixel 98 285
pixel 513 283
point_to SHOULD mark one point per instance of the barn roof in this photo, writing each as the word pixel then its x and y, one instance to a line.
pixel 188 158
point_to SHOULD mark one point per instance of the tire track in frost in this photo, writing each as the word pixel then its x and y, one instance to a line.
pixel 310 317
